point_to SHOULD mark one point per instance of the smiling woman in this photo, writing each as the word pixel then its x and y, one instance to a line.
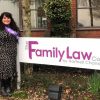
pixel 6 20
pixel 8 5
pixel 38 18
pixel 8 51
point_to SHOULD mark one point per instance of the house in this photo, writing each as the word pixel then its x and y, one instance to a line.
pixel 85 17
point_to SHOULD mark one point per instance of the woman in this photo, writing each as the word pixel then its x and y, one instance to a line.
pixel 9 33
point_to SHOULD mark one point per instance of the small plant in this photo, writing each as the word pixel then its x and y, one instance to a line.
pixel 94 83
pixel 40 80
pixel 20 94
pixel 73 85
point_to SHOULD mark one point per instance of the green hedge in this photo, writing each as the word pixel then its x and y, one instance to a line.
pixel 59 14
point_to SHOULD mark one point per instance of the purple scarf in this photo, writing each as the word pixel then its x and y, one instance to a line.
pixel 11 31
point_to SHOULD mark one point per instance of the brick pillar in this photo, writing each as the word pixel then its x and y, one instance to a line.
pixel 74 16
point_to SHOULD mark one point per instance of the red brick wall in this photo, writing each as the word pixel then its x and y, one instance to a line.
pixel 93 33
pixel 88 34
pixel 39 33
pixel 73 18
pixel 73 7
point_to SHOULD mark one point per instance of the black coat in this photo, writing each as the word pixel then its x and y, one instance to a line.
pixel 8 52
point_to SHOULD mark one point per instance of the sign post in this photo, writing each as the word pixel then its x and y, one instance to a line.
pixel 18 69
pixel 72 52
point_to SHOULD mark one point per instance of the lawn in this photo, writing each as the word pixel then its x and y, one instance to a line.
pixel 77 84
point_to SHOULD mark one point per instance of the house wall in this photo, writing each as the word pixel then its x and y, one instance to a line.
pixel 39 33
pixel 89 33
pixel 78 33
pixel 42 32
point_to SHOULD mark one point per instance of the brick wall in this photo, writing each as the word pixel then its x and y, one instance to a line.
pixel 73 18
pixel 39 33
pixel 88 34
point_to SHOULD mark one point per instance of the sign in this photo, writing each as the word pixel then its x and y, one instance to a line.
pixel 71 52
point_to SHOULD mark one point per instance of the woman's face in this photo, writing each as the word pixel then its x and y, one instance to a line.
pixel 6 20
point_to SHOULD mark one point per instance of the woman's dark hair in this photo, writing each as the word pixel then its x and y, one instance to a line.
pixel 12 24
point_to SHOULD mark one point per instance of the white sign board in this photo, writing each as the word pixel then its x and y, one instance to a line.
pixel 72 52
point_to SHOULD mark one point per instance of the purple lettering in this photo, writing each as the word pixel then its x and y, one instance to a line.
pixel 76 55
pixel 30 48
pixel 38 52
pixel 67 51
pixel 86 55
pixel 47 53
pixel 61 54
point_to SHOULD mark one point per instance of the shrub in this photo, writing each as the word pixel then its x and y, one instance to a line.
pixel 94 83
pixel 59 14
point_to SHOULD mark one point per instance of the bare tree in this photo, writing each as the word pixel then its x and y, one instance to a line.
pixel 26 16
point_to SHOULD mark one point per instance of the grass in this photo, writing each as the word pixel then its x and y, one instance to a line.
pixel 76 85
pixel 20 95
pixel 94 83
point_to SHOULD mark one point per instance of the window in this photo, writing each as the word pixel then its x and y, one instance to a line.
pixel 88 13
pixel 38 18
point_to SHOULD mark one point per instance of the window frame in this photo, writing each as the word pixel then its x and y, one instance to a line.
pixel 90 8
pixel 21 21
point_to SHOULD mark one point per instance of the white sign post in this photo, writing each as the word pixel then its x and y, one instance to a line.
pixel 18 69
pixel 72 52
